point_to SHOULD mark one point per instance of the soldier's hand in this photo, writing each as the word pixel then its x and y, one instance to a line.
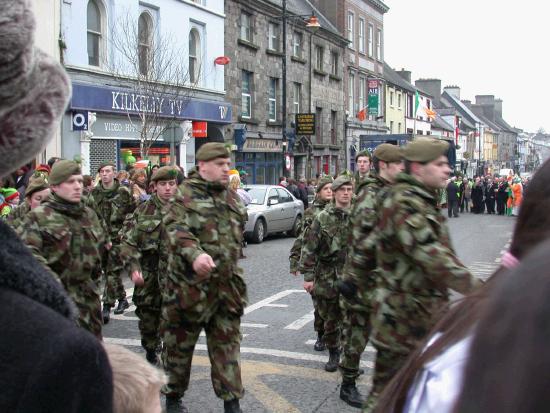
pixel 203 264
pixel 108 246
pixel 295 273
pixel 308 286
pixel 137 278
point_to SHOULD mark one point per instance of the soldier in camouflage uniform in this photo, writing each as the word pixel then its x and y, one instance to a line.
pixel 204 285
pixel 145 260
pixel 416 263
pixel 358 279
pixel 363 163
pixel 323 197
pixel 323 257
pixel 36 193
pixel 67 237
pixel 112 202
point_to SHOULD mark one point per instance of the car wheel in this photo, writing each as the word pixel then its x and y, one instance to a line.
pixel 259 231
pixel 294 231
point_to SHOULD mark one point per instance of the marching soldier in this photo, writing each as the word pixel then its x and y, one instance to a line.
pixel 415 260
pixel 323 197
pixel 358 279
pixel 111 202
pixel 323 257
pixel 68 239
pixel 145 260
pixel 204 285
pixel 36 193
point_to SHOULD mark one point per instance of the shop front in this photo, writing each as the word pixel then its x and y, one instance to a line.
pixel 262 160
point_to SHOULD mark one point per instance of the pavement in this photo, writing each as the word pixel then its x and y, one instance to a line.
pixel 281 372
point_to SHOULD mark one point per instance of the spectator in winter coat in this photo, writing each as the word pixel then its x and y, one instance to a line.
pixel 303 193
pixel 453 197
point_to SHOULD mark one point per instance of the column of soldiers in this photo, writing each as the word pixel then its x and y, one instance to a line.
pixel 391 284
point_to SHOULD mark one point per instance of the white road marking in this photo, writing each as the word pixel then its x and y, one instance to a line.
pixel 203 334
pixel 253 325
pixel 276 305
pixel 302 321
pixel 271 299
pixel 130 342
pixel 368 349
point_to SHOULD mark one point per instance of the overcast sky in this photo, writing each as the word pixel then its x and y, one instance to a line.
pixel 487 47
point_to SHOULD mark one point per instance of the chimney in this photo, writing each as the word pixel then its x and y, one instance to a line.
pixel 468 103
pixel 405 74
pixel 432 87
pixel 485 99
pixel 453 91
pixel 498 108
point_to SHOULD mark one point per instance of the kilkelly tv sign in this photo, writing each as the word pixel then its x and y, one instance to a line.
pixel 127 101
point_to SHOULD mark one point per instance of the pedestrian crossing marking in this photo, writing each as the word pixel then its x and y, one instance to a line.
pixel 302 321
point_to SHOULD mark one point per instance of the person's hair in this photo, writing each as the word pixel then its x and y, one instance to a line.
pixel 139 172
pixel 532 228
pixel 52 160
pixel 376 164
pixel 508 362
pixel 134 379
pixel 86 180
pixel 122 175
pixel 234 182
pixel 361 154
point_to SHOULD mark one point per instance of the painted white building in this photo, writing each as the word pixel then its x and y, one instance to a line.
pixel 112 48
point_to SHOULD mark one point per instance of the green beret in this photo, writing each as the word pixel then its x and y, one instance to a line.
pixel 166 173
pixel 340 181
pixel 63 170
pixel 325 180
pixel 363 153
pixel 106 163
pixel 212 150
pixel 388 153
pixel 36 185
pixel 425 150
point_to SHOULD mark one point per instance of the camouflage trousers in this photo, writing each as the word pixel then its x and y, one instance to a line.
pixel 331 313
pixel 147 299
pixel 387 363
pixel 114 288
pixel 223 339
pixel 318 322
pixel 355 337
pixel 89 309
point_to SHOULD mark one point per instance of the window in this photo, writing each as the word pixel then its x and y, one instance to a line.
pixel 273 99
pixel 334 58
pixel 246 27
pixel 399 101
pixel 379 44
pixel 297 45
pixel 351 34
pixel 194 53
pixel 362 89
pixel 333 115
pixel 319 54
pixel 391 126
pixel 319 124
pixel 273 33
pixel 297 97
pixel 362 35
pixel 370 39
pixel 391 99
pixel 284 195
pixel 145 25
pixel 93 16
pixel 246 94
pixel 399 127
pixel 351 94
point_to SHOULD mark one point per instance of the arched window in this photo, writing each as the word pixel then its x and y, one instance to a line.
pixel 94 30
pixel 145 37
pixel 194 55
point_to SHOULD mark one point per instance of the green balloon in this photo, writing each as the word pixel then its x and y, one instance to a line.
pixel 131 160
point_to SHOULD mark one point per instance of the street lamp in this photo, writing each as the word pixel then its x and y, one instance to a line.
pixel 312 23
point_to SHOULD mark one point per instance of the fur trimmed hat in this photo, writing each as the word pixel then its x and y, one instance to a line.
pixel 34 88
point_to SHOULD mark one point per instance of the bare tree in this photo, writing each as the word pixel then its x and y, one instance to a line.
pixel 159 74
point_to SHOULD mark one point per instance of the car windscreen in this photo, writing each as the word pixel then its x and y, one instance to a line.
pixel 257 195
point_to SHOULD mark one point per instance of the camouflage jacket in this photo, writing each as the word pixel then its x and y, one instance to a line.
pixel 416 264
pixel 361 260
pixel 359 181
pixel 205 218
pixel 296 250
pixel 69 240
pixel 140 247
pixel 16 216
pixel 112 206
pixel 325 249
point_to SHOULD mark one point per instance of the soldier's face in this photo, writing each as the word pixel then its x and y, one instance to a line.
pixel 38 197
pixel 70 190
pixel 216 170
pixel 392 169
pixel 363 164
pixel 342 196
pixel 166 189
pixel 107 175
pixel 325 194
pixel 434 174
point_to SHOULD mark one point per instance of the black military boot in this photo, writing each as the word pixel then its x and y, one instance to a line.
pixel 350 394
pixel 151 356
pixel 174 404
pixel 122 305
pixel 319 344
pixel 106 313
pixel 232 406
pixel 333 360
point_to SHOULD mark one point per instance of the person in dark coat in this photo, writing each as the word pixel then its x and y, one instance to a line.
pixel 490 196
pixel 502 196
pixel 453 197
pixel 477 197
pixel 303 193
pixel 47 363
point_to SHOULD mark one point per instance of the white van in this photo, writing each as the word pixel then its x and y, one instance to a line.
pixel 506 172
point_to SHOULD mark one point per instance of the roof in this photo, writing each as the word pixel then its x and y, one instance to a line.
pixel 393 78
pixel 441 123
pixel 458 104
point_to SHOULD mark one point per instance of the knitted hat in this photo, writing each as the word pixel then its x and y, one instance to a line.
pixel 322 182
pixel 9 193
pixel 63 170
pixel 34 88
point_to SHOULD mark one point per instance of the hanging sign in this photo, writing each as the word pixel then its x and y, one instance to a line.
pixel 199 129
pixel 373 96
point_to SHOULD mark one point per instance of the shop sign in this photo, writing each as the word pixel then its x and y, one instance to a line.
pixel 200 129
pixel 305 124
pixel 261 145
pixel 373 96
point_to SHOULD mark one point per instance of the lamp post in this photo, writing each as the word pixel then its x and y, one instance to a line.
pixel 312 23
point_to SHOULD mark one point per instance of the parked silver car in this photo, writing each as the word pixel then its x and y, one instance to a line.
pixel 273 210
